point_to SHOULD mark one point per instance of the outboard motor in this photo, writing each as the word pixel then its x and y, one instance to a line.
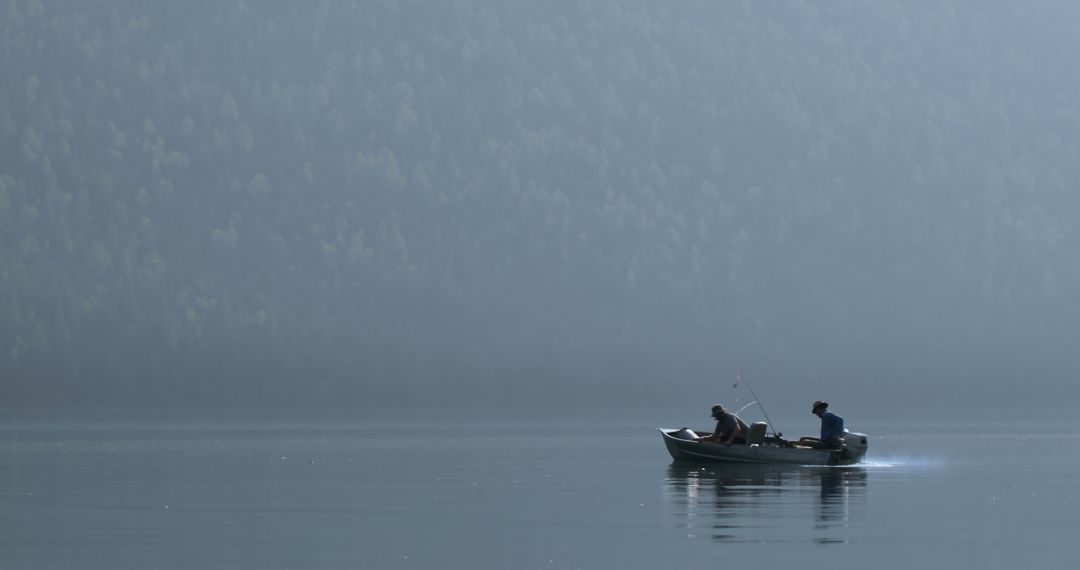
pixel 856 444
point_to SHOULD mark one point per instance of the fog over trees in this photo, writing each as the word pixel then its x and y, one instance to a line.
pixel 406 203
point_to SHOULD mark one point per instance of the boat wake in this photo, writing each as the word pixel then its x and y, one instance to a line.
pixel 877 464
pixel 901 463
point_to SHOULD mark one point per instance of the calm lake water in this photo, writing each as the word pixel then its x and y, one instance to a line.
pixel 587 495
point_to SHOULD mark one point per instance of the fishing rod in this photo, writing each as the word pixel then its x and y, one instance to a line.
pixel 742 409
pixel 739 378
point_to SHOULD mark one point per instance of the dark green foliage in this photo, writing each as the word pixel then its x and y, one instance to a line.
pixel 240 203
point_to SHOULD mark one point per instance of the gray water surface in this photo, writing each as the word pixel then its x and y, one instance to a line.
pixel 365 495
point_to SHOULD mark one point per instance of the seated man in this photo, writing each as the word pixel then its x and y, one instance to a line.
pixel 729 427
pixel 832 427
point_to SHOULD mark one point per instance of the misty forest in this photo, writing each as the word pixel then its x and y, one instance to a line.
pixel 395 203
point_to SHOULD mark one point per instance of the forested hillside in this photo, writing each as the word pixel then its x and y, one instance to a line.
pixel 380 203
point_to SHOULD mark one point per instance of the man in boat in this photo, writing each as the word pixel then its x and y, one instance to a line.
pixel 729 427
pixel 832 427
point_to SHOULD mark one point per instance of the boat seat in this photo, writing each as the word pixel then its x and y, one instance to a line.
pixel 757 433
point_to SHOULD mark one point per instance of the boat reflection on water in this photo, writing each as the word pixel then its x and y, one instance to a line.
pixel 766 503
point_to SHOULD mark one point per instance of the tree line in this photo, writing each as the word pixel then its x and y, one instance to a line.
pixel 235 203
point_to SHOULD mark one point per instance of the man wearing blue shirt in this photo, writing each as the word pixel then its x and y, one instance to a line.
pixel 832 426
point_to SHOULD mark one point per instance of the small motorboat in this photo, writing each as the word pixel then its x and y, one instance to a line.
pixel 684 445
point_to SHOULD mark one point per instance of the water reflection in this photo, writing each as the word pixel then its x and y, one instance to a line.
pixel 766 503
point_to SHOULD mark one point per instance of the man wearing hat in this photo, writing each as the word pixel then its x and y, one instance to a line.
pixel 729 427
pixel 832 426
